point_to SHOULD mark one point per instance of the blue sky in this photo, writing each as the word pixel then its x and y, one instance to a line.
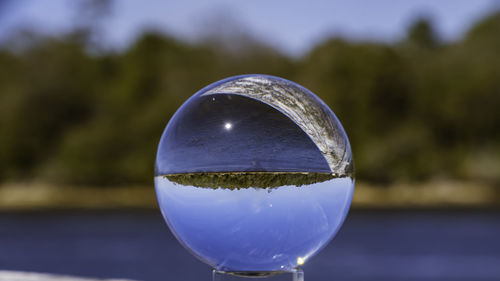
pixel 292 26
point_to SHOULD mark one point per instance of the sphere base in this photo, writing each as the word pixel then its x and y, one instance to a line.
pixel 294 275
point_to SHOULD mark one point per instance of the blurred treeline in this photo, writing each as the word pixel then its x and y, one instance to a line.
pixel 414 110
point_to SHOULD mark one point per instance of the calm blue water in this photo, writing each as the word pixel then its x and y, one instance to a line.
pixel 370 246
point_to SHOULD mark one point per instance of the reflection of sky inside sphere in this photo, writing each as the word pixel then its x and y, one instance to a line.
pixel 255 229
pixel 254 173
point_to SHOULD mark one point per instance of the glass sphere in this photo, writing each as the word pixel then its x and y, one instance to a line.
pixel 254 173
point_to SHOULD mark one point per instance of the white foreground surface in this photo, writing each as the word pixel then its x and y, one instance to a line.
pixel 30 276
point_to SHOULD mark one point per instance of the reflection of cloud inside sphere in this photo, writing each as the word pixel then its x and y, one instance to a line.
pixel 254 173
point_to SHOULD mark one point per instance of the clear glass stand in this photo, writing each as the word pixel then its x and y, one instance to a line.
pixel 294 275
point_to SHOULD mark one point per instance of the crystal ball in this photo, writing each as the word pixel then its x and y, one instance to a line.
pixel 254 173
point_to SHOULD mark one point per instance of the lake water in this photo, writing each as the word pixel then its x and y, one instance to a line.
pixel 370 246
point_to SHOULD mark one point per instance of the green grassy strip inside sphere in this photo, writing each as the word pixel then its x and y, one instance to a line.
pixel 237 180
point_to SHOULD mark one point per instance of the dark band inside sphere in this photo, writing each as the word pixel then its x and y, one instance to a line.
pixel 232 133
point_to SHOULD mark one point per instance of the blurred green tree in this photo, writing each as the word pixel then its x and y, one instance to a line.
pixel 416 109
